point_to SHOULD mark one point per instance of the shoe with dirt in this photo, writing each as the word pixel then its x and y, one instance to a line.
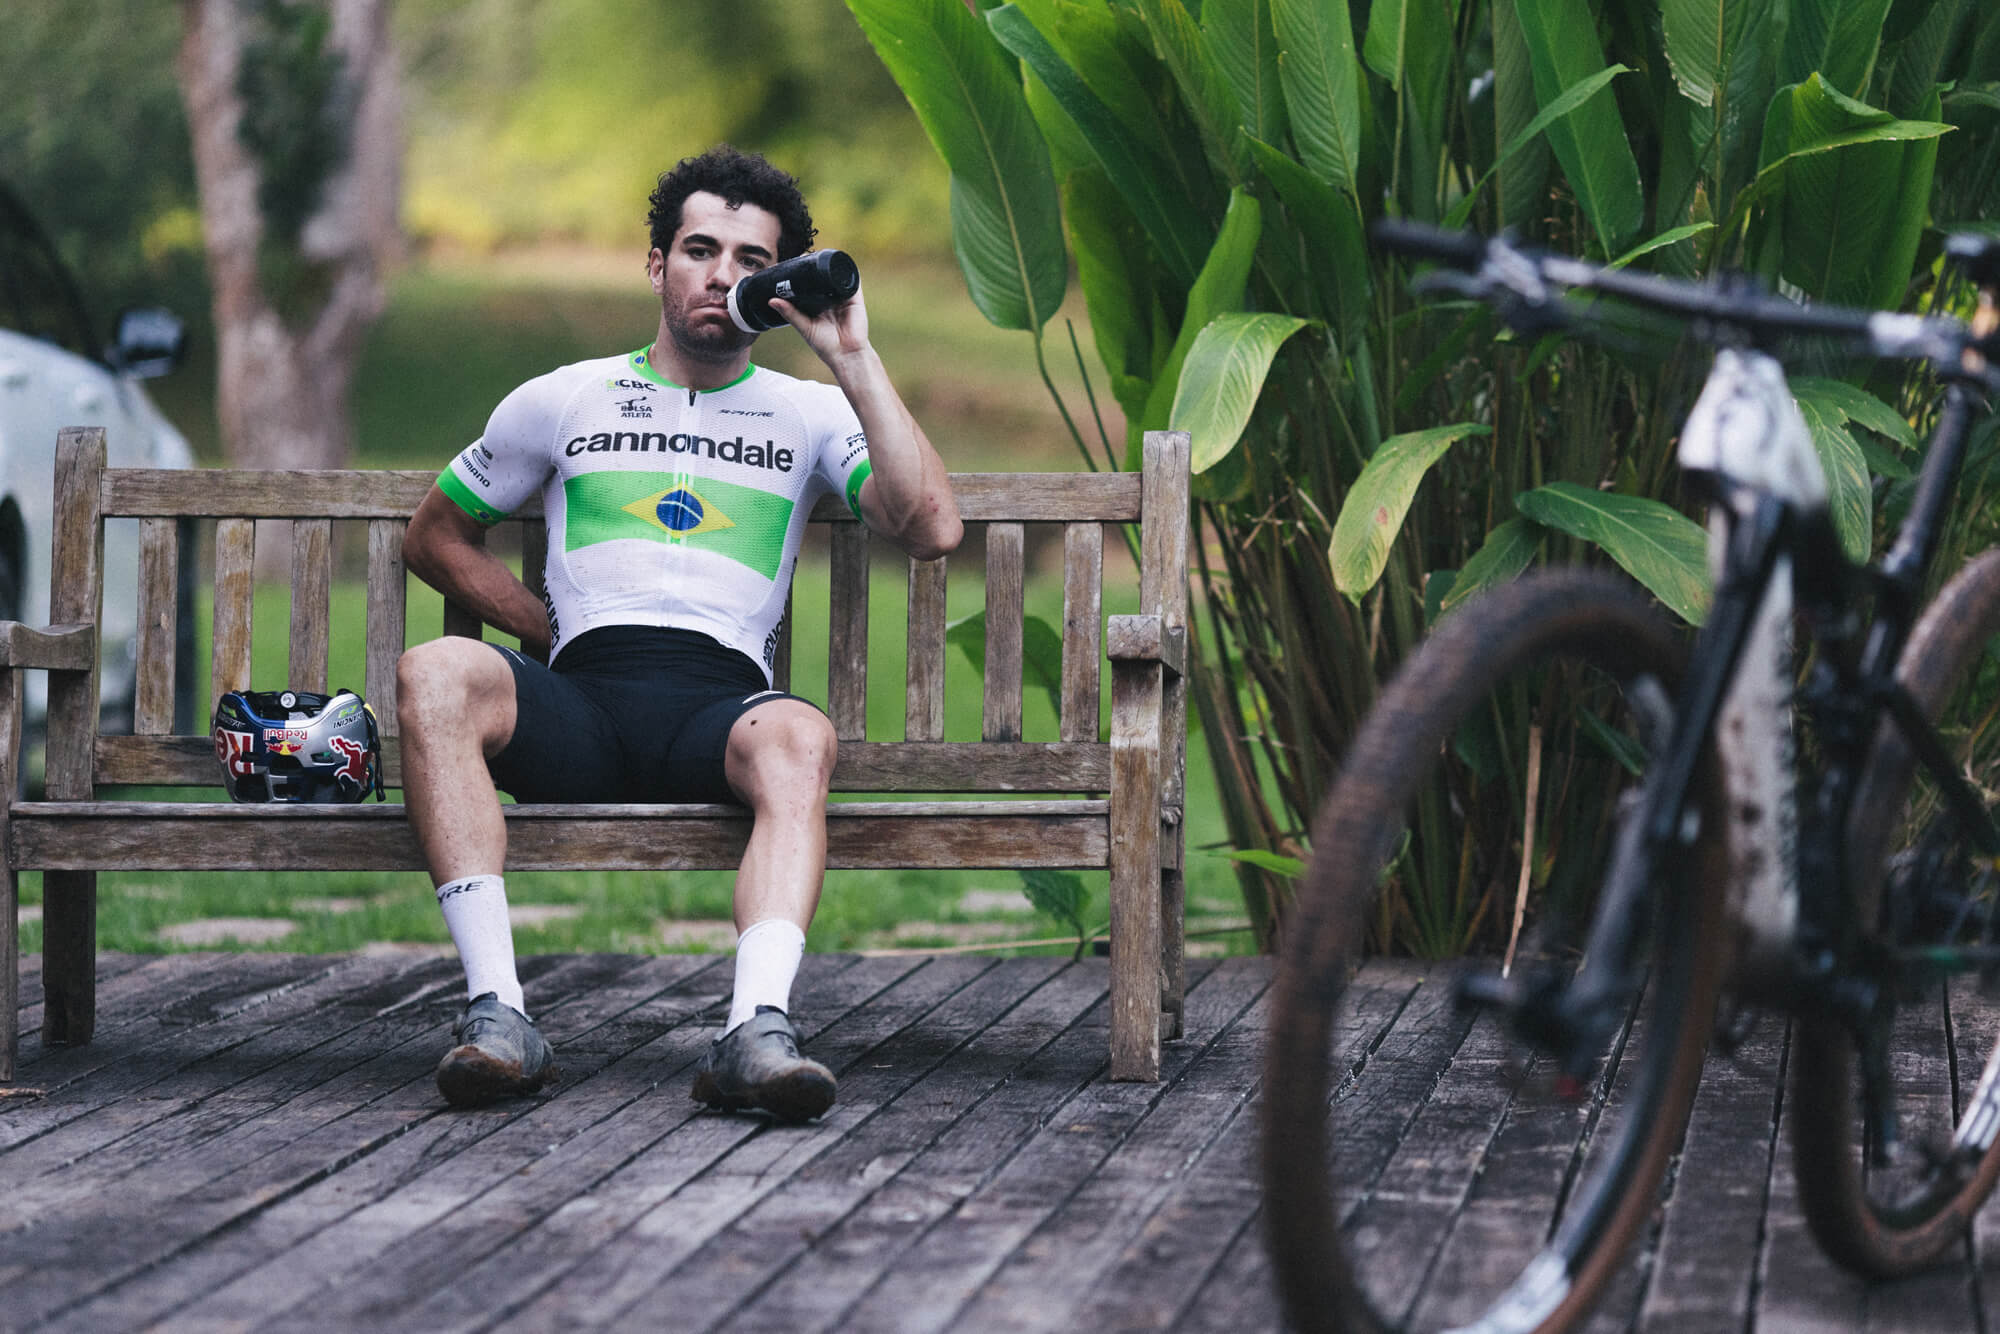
pixel 757 1065
pixel 499 1054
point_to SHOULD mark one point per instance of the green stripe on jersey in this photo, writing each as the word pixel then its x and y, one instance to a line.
pixel 854 481
pixel 740 522
pixel 464 497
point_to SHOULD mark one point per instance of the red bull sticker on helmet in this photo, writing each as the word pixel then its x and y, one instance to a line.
pixel 232 750
pixel 285 740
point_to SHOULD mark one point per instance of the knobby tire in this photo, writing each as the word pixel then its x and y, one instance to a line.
pixel 1567 614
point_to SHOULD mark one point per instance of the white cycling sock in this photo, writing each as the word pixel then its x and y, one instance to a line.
pixel 475 912
pixel 767 959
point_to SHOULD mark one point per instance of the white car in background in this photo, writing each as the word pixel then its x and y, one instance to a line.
pixel 55 373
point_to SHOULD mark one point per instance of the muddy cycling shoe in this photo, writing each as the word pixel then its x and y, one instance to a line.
pixel 499 1054
pixel 757 1066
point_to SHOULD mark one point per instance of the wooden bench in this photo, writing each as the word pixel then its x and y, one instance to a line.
pixel 1114 804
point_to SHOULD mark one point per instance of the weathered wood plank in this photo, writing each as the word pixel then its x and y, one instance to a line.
pixel 387 591
pixel 1057 1274
pixel 1065 1127
pixel 153 692
pixel 1137 977
pixel 1005 593
pixel 1164 591
pixel 679 1228
pixel 897 1035
pixel 10 879
pixel 408 1201
pixel 59 648
pixel 215 837
pixel 245 1214
pixel 248 1166
pixel 235 560
pixel 387 494
pixel 1083 617
pixel 923 701
pixel 312 600
pixel 116 986
pixel 230 1063
pixel 863 766
pixel 76 595
pixel 847 632
pixel 1704 1266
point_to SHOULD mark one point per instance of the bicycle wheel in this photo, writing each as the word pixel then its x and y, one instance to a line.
pixel 1887 1210
pixel 1451 1195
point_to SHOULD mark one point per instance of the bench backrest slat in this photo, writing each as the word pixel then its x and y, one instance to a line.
pixel 76 595
pixel 863 766
pixel 235 593
pixel 923 692
pixel 847 631
pixel 1005 596
pixel 159 610
pixel 312 603
pixel 1083 630
pixel 387 594
pixel 1106 497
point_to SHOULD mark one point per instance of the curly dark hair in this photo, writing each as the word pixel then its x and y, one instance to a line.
pixel 739 178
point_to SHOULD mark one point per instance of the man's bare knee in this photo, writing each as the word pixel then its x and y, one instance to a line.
pixel 783 745
pixel 453 683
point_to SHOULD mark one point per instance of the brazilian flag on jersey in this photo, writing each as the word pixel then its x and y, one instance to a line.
pixel 740 522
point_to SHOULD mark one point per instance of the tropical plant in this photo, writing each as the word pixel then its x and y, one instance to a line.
pixel 1364 465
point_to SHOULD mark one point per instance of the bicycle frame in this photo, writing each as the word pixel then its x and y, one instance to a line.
pixel 1770 535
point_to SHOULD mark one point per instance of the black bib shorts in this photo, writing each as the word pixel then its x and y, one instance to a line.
pixel 634 713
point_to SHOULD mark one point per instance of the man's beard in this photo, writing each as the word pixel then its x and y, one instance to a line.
pixel 711 340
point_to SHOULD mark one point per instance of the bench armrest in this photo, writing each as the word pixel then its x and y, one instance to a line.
pixel 55 648
pixel 1146 639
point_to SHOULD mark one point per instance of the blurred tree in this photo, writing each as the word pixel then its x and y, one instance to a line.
pixel 124 219
pixel 293 110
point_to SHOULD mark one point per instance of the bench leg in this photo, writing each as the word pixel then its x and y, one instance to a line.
pixel 1173 954
pixel 10 972
pixel 1136 976
pixel 69 956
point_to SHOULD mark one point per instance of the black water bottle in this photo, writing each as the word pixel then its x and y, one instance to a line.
pixel 812 282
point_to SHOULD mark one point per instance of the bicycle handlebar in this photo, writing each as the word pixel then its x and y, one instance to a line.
pixel 1524 285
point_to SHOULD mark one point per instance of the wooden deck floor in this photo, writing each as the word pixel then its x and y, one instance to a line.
pixel 254 1141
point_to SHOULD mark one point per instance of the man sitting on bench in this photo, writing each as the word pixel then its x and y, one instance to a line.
pixel 675 482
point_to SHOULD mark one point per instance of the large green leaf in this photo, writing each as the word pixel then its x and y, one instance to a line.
pixel 1905 231
pixel 1565 102
pixel 1596 157
pixel 1117 287
pixel 1222 377
pixel 1204 90
pixel 1322 82
pixel 1834 168
pixel 1835 39
pixel 1219 288
pixel 1847 487
pixel 1006 226
pixel 1336 246
pixel 1654 543
pixel 1722 56
pixel 1373 511
pixel 1520 199
pixel 1508 550
pixel 1245 46
pixel 1142 177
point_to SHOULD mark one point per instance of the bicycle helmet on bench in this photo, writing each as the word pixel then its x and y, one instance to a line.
pixel 297 746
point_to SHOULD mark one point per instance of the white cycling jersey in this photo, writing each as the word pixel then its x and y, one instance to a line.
pixel 665 505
